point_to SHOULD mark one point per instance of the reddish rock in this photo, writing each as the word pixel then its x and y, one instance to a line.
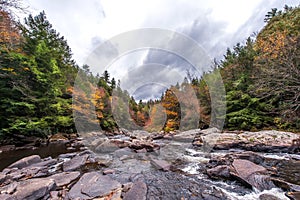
pixel 251 174
pixel 137 191
pixel 245 168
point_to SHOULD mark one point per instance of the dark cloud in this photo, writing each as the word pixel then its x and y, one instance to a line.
pixel 149 91
pixel 153 77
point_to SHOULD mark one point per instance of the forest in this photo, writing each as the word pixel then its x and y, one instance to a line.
pixel 37 74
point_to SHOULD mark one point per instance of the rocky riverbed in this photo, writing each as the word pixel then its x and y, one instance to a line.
pixel 196 164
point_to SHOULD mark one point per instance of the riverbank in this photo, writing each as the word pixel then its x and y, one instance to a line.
pixel 196 164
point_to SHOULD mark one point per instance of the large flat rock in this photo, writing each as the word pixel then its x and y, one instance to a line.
pixel 75 163
pixel 34 189
pixel 252 174
pixel 92 185
pixel 245 168
pixel 24 162
pixel 64 178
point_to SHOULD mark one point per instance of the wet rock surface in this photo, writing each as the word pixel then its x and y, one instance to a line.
pixel 262 141
pixel 139 165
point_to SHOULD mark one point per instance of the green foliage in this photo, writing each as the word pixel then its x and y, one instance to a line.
pixel 261 78
pixel 34 99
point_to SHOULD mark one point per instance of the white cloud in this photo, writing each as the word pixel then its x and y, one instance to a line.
pixel 215 24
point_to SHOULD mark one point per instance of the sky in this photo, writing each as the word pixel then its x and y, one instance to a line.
pixel 146 73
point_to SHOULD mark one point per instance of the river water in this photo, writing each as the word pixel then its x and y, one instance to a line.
pixel 192 167
pixel 190 162
pixel 52 149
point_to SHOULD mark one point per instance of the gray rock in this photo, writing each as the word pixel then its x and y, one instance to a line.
pixel 139 134
pixel 127 186
pixel 137 191
pixel 64 178
pixel 75 163
pixel 67 155
pixel 141 150
pixel 161 164
pixel 108 171
pixel 285 185
pixel 9 189
pixel 3 177
pixel 186 136
pixel 45 163
pixel 34 189
pixel 262 141
pixel 210 131
pixel 123 152
pixel 5 197
pixel 92 185
pixel 221 171
pixel 24 162
pixel 268 197
pixel 54 195
pixel 106 147
pixel 215 194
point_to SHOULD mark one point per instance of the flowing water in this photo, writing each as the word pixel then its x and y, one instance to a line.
pixel 288 169
pixel 189 162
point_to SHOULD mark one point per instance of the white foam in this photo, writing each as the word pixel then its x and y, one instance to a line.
pixel 255 194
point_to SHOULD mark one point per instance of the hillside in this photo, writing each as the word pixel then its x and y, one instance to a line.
pixel 261 78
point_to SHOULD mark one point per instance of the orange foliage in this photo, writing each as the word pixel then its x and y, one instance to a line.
pixel 9 34
pixel 272 45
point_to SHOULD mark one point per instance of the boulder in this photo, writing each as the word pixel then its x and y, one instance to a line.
pixel 186 136
pixel 245 168
pixel 93 185
pixel 9 189
pixel 64 178
pixel 221 171
pixel 3 178
pixel 142 144
pixel 45 163
pixel 286 185
pixel 123 152
pixel 34 189
pixel 24 162
pixel 262 141
pixel 107 147
pixel 251 174
pixel 75 163
pixel 268 197
pixel 137 191
pixel 161 164
pixel 140 135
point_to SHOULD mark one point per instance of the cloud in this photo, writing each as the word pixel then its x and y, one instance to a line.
pixel 78 21
pixel 153 74
pixel 149 91
pixel 214 24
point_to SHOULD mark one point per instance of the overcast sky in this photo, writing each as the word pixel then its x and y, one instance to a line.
pixel 214 24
